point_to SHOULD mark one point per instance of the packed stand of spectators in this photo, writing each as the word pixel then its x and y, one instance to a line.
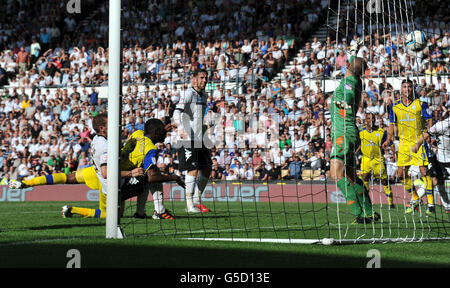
pixel 384 43
pixel 163 41
pixel 48 131
pixel 385 55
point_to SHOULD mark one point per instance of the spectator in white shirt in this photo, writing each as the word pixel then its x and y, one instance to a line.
pixel 23 169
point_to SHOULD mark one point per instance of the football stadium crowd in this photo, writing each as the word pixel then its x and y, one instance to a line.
pixel 48 130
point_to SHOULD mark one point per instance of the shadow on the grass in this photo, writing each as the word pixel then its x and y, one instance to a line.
pixel 105 255
pixel 52 227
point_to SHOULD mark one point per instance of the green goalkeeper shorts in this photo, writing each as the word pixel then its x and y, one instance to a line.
pixel 344 148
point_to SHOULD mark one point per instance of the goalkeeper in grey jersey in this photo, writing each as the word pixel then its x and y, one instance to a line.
pixel 193 156
pixel 440 170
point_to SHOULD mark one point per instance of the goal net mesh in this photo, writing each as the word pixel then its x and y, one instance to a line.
pixel 271 174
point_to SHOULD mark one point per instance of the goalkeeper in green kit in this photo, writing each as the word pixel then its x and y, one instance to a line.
pixel 345 136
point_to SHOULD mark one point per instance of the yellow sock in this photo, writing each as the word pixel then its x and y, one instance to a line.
pixel 57 178
pixel 427 183
pixel 430 197
pixel 388 193
pixel 429 189
pixel 407 183
pixel 89 213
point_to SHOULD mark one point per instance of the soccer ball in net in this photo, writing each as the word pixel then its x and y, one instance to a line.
pixel 416 41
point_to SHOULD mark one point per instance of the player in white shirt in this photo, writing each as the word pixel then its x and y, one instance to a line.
pixel 99 146
pixel 194 156
pixel 440 170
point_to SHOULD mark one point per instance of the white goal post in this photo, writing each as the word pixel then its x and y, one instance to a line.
pixel 114 83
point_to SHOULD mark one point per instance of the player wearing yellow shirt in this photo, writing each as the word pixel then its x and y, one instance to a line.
pixel 372 161
pixel 144 155
pixel 411 116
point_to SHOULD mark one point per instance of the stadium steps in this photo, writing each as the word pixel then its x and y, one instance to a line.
pixel 322 32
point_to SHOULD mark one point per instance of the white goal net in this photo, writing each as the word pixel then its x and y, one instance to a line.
pixel 273 69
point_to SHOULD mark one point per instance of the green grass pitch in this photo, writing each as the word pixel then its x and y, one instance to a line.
pixel 33 234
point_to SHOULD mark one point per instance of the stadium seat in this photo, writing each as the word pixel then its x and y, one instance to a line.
pixel 310 174
pixel 307 174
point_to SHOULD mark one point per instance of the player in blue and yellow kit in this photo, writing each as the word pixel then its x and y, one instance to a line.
pixel 411 116
pixel 145 155
pixel 372 161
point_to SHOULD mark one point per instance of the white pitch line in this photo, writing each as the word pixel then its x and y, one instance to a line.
pixel 261 240
pixel 318 241
pixel 230 230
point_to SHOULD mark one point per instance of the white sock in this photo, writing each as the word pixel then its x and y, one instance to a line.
pixel 190 188
pixel 158 202
pixel 199 188
pixel 141 200
pixel 197 196
pixel 421 191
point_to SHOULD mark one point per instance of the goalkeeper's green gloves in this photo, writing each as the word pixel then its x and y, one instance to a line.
pixel 342 104
pixel 354 48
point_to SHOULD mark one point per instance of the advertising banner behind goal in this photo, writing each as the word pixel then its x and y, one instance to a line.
pixel 217 191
